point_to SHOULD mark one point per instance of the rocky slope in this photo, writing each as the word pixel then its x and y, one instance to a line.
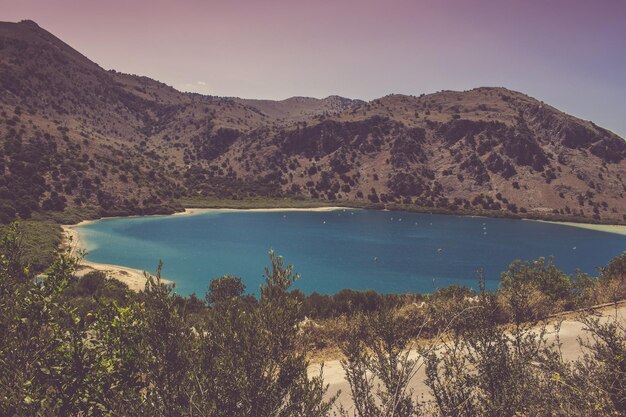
pixel 73 134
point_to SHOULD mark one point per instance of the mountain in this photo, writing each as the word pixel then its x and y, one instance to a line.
pixel 73 134
pixel 301 109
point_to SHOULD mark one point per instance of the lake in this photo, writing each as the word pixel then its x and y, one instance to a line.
pixel 390 252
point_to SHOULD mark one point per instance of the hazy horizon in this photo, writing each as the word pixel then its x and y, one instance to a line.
pixel 568 54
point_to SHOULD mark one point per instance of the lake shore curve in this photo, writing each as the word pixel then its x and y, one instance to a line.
pixel 133 277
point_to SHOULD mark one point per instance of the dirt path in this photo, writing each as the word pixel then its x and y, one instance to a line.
pixel 571 329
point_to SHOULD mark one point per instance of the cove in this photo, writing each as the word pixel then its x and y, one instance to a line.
pixel 390 252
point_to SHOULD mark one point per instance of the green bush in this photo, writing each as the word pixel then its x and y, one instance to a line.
pixel 144 355
pixel 533 290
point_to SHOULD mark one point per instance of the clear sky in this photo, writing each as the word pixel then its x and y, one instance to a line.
pixel 568 53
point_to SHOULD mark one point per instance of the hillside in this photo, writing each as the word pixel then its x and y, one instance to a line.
pixel 75 135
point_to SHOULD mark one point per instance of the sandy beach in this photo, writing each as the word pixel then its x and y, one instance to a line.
pixel 135 278
pixel 608 228
pixel 192 211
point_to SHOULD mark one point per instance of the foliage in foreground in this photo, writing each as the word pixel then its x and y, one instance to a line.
pixel 146 357
pixel 476 367
pixel 90 347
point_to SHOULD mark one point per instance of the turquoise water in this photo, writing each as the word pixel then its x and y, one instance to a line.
pixel 390 252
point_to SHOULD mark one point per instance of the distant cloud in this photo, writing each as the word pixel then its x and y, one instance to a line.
pixel 194 87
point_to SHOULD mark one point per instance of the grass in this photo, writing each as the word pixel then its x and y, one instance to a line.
pixel 39 242
pixel 68 216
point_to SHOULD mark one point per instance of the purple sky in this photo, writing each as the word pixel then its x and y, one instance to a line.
pixel 569 53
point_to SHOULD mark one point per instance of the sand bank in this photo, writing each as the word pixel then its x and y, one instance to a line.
pixel 192 211
pixel 608 228
pixel 72 238
pixel 134 278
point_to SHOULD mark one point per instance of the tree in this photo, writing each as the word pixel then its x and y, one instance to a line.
pixel 222 290
pixel 532 290
pixel 379 349
pixel 258 368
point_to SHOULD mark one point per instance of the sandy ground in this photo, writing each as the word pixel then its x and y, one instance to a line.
pixel 135 278
pixel 608 228
pixel 571 329
pixel 192 211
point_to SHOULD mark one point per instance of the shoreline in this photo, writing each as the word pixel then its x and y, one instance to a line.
pixel 192 211
pixel 133 277
pixel 606 228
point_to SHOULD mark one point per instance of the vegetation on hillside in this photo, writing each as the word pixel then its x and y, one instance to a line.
pixel 74 136
pixel 39 242
pixel 91 347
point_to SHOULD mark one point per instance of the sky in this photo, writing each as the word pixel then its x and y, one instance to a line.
pixel 569 53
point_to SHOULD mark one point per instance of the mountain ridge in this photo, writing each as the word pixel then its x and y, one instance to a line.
pixel 74 134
